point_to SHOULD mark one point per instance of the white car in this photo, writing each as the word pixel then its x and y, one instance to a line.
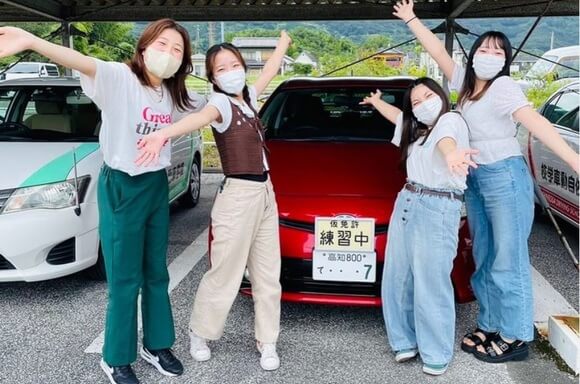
pixel 24 70
pixel 557 181
pixel 568 56
pixel 49 165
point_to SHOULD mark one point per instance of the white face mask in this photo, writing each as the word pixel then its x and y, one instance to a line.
pixel 160 64
pixel 428 111
pixel 487 66
pixel 232 82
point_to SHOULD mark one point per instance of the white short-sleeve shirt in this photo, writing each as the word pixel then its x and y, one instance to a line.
pixel 425 163
pixel 222 103
pixel 492 129
pixel 128 112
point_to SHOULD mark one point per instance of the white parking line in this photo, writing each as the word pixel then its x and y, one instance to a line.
pixel 178 269
pixel 547 301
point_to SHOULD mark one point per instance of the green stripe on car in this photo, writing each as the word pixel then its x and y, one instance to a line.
pixel 59 168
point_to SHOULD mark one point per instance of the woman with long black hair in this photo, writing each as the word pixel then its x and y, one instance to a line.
pixel 417 294
pixel 499 198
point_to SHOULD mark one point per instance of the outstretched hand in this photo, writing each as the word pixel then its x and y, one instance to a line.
pixel 459 161
pixel 404 10
pixel 285 38
pixel 372 99
pixel 14 40
pixel 149 149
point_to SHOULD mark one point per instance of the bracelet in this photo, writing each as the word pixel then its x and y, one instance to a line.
pixel 411 19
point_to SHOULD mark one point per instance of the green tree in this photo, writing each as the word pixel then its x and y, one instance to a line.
pixel 302 69
pixel 376 43
pixel 106 41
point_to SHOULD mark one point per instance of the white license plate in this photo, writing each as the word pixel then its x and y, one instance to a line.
pixel 344 266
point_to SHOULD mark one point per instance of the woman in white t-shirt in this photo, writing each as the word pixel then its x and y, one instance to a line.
pixel 145 94
pixel 244 217
pixel 499 198
pixel 417 293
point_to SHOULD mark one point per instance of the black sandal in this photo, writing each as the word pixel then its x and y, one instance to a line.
pixel 517 350
pixel 475 339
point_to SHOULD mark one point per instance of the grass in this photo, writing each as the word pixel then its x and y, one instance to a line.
pixel 211 158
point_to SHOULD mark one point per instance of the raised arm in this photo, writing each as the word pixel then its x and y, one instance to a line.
pixel 150 145
pixel 547 134
pixel 273 64
pixel 432 44
pixel 15 40
pixel 390 112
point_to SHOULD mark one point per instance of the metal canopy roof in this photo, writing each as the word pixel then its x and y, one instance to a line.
pixel 262 10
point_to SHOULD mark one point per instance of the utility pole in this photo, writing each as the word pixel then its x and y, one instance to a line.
pixel 211 33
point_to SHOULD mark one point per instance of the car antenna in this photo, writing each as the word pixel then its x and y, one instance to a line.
pixel 78 204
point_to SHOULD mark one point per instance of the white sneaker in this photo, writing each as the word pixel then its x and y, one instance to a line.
pixel 269 360
pixel 198 347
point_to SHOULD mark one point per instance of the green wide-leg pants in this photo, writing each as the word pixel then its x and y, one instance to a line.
pixel 134 231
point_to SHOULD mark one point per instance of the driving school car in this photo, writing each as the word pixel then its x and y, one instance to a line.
pixel 558 182
pixel 49 165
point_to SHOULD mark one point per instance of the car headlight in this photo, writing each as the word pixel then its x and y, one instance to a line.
pixel 48 196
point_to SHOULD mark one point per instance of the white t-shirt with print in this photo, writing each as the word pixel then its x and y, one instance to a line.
pixel 426 164
pixel 222 103
pixel 128 112
pixel 492 129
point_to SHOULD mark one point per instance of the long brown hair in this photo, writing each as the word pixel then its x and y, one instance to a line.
pixel 413 129
pixel 467 90
pixel 176 83
pixel 212 52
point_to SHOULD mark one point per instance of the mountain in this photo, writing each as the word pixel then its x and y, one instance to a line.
pixel 565 30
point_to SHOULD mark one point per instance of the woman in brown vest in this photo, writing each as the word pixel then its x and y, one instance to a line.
pixel 245 215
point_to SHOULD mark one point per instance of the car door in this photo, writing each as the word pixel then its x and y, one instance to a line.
pixel 558 182
pixel 181 158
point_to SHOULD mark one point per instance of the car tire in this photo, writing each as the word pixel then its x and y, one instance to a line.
pixel 191 197
pixel 97 271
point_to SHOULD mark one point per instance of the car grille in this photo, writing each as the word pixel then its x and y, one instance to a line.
pixel 62 253
pixel 4 195
pixel 309 227
pixel 296 276
pixel 5 264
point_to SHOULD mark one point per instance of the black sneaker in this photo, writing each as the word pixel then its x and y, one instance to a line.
pixel 163 360
pixel 119 375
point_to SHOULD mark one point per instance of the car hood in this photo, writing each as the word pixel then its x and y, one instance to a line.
pixel 312 179
pixel 28 164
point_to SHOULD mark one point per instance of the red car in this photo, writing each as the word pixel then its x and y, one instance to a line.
pixel 336 177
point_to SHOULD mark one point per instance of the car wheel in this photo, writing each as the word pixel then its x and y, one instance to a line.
pixel 97 271
pixel 191 197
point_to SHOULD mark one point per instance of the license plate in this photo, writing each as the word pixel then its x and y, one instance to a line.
pixel 344 249
pixel 344 234
pixel 344 266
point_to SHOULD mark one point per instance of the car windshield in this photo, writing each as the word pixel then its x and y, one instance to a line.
pixel 47 113
pixel 23 68
pixel 541 67
pixel 328 115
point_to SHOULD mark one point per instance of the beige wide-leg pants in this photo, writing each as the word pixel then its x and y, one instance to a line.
pixel 245 233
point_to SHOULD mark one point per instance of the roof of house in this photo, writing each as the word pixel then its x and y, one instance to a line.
pixel 255 42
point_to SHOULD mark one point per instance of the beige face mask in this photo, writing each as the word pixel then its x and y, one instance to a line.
pixel 160 64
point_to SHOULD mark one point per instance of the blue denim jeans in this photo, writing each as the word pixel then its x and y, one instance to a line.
pixel 417 294
pixel 500 212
